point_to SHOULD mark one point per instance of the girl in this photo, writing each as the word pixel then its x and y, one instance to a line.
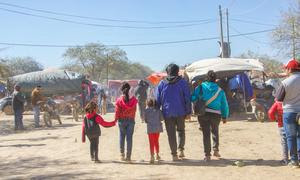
pixel 275 113
pixel 153 118
pixel 125 114
pixel 91 129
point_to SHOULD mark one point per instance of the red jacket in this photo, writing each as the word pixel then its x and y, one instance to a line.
pixel 125 110
pixel 99 120
pixel 276 111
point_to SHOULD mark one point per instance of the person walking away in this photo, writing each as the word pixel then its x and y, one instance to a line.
pixel 18 100
pixel 275 114
pixel 103 103
pixel 153 118
pixel 36 99
pixel 173 96
pixel 289 94
pixel 125 115
pixel 91 129
pixel 216 109
pixel 141 94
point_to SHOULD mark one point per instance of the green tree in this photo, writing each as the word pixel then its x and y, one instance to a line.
pixel 271 65
pixel 21 65
pixel 286 36
pixel 98 61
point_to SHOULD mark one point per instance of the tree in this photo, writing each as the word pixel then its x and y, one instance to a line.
pixel 286 36
pixel 99 61
pixel 21 65
pixel 271 65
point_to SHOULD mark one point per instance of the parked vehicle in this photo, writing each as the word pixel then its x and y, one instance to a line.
pixel 227 68
pixel 53 82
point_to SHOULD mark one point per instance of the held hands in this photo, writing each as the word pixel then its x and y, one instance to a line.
pixel 224 120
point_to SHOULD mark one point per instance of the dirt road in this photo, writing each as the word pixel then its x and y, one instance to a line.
pixel 57 153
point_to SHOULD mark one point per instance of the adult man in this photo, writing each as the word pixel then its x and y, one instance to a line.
pixel 173 95
pixel 289 94
pixel 141 94
pixel 36 99
pixel 18 107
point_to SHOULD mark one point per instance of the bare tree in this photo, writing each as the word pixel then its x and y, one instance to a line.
pixel 286 36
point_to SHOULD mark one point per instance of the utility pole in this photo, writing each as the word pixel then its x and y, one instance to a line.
pixel 228 43
pixel 293 38
pixel 221 27
pixel 107 64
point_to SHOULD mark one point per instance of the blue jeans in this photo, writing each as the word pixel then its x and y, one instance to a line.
pixel 292 130
pixel 284 146
pixel 126 128
pixel 36 111
pixel 18 119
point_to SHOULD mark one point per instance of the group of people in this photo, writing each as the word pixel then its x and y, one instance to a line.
pixel 286 110
pixel 18 101
pixel 172 104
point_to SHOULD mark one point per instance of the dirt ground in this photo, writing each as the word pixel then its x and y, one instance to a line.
pixel 57 153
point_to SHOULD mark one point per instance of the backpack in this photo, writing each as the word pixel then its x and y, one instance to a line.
pixel 91 128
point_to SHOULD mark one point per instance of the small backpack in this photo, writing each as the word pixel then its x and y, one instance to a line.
pixel 92 129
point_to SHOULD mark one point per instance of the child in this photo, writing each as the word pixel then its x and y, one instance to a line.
pixel 91 129
pixel 153 118
pixel 275 113
pixel 125 114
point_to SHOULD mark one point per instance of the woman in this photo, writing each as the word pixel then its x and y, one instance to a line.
pixel 125 115
pixel 216 109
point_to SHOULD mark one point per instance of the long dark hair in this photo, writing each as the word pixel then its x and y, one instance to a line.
pixel 125 90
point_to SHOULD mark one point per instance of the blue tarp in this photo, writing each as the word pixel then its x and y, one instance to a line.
pixel 240 83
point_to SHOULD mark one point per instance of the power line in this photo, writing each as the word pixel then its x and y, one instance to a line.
pixel 134 44
pixel 102 19
pixel 105 25
pixel 251 9
pixel 246 36
pixel 251 22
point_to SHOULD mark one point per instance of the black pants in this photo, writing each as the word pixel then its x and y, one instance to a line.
pixel 210 125
pixel 94 148
pixel 173 124
pixel 142 107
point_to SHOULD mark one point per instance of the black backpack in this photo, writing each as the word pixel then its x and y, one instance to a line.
pixel 92 129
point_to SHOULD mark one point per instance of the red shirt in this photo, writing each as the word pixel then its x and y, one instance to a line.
pixel 275 113
pixel 125 110
pixel 99 120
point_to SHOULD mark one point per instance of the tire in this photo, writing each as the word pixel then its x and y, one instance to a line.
pixel 8 110
pixel 260 116
pixel 47 119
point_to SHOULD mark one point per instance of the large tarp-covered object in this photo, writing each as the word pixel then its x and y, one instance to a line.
pixel 53 82
pixel 224 67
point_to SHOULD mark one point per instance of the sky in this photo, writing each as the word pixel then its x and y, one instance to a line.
pixel 19 28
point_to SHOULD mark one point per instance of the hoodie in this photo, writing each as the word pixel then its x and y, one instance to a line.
pixel 275 113
pixel 173 96
pixel 209 89
pixel 125 110
pixel 99 120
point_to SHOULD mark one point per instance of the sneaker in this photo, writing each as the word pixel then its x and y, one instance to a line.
pixel 284 162
pixel 181 154
pixel 122 157
pixel 151 159
pixel 294 164
pixel 217 154
pixel 97 161
pixel 175 158
pixel 158 158
pixel 128 159
pixel 207 158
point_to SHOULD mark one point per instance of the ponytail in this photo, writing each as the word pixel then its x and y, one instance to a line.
pixel 125 90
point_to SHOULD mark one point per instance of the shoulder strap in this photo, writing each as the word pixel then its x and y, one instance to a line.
pixel 214 97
